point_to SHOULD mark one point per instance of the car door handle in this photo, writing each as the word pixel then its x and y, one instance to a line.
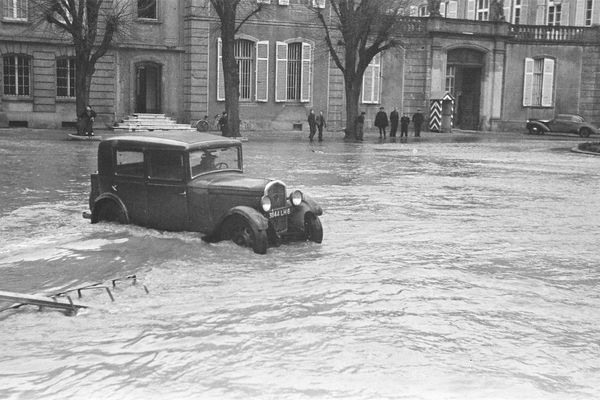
pixel 182 193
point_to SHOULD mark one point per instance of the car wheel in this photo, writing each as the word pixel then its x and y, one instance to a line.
pixel 202 126
pixel 313 228
pixel 584 132
pixel 243 233
pixel 111 212
pixel 535 130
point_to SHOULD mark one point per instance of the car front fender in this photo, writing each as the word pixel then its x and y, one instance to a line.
pixel 296 218
pixel 260 221
pixel 102 199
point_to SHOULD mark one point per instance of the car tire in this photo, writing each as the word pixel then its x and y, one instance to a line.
pixel 111 212
pixel 243 233
pixel 313 228
pixel 202 126
pixel 535 130
pixel 585 132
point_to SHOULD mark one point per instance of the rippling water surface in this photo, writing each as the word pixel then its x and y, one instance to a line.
pixel 452 268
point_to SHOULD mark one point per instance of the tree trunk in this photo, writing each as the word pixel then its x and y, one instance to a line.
pixel 83 80
pixel 352 98
pixel 231 75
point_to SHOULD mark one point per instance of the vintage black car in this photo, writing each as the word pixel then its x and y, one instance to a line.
pixel 565 123
pixel 190 181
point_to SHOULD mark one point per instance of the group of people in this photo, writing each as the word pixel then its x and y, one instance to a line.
pixel 316 122
pixel 382 122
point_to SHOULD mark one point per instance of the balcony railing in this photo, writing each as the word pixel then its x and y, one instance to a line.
pixel 548 33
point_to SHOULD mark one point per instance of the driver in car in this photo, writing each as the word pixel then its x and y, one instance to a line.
pixel 207 162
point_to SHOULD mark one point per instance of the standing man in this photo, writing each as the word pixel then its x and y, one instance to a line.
pixel 381 121
pixel 393 122
pixel 312 124
pixel 404 121
pixel 223 123
pixel 320 119
pixel 417 120
pixel 360 126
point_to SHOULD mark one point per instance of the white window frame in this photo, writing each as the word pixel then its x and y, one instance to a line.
pixel 246 68
pixel 588 16
pixel 483 10
pixel 16 10
pixel 282 70
pixel 538 87
pixel 70 78
pixel 25 88
pixel 371 85
pixel 517 12
pixel 554 11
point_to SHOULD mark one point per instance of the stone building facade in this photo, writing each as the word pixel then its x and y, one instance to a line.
pixel 543 60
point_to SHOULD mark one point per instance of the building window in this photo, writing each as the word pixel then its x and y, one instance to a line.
pixel 516 12
pixel 293 72
pixel 451 79
pixel 538 82
pixel 318 3
pixel 588 12
pixel 16 75
pixel 244 55
pixel 554 11
pixel 146 9
pixel 483 10
pixel 65 77
pixel 15 9
pixel 371 87
pixel 423 11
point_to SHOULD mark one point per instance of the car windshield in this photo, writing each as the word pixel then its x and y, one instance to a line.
pixel 215 159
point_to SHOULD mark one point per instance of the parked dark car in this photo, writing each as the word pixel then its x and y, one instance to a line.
pixel 565 123
pixel 190 181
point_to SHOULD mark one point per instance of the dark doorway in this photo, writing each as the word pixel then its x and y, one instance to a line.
pixel 463 81
pixel 147 88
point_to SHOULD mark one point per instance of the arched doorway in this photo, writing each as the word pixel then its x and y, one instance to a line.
pixel 147 88
pixel 463 80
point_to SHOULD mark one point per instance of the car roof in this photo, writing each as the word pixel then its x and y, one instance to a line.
pixel 175 139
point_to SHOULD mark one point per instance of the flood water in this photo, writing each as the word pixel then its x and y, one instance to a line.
pixel 457 267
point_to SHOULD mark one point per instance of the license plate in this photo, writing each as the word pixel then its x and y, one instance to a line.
pixel 279 212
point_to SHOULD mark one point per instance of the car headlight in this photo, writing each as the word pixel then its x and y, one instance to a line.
pixel 265 203
pixel 296 197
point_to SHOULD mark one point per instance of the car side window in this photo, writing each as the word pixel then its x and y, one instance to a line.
pixel 129 163
pixel 166 165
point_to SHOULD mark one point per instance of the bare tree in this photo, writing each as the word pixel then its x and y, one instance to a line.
pixel 91 25
pixel 357 32
pixel 228 11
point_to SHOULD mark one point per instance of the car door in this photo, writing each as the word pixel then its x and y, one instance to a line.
pixel 129 183
pixel 167 190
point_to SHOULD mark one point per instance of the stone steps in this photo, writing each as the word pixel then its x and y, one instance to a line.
pixel 139 122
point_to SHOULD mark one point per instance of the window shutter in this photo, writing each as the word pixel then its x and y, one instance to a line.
pixel 443 9
pixel 281 71
pixel 452 9
pixel 413 11
pixel 506 11
pixel 528 82
pixel 262 71
pixel 305 80
pixel 220 76
pixel 540 15
pixel 376 78
pixel 580 13
pixel 564 17
pixel 367 85
pixel 548 82
pixel 471 9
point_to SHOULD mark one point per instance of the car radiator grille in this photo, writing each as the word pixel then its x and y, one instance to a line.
pixel 276 192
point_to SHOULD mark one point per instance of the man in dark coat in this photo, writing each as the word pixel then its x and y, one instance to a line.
pixel 312 124
pixel 86 121
pixel 320 120
pixel 381 121
pixel 394 122
pixel 404 121
pixel 360 126
pixel 223 124
pixel 417 120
